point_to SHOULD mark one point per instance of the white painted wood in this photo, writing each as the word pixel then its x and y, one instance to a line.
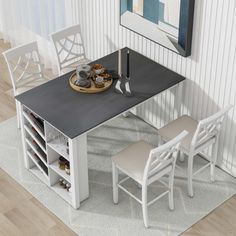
pixel 52 155
pixel 36 139
pixel 25 69
pixel 67 196
pixel 56 140
pixel 160 162
pixel 204 134
pixel 179 99
pixel 54 166
pixel 32 146
pixel 27 162
pixel 28 119
pixel 69 47
pixel 36 163
pixel 38 173
pixel 115 183
pixel 79 169
pixel 77 158
pixel 210 71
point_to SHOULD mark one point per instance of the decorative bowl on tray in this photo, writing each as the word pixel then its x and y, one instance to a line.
pixel 95 80
pixel 98 69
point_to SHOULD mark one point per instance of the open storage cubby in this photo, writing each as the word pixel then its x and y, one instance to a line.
pixel 36 137
pixel 38 162
pixel 56 174
pixel 44 146
pixel 55 185
pixel 53 161
pixel 57 141
pixel 35 121
pixel 35 144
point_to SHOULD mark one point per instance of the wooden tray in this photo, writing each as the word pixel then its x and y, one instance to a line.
pixel 92 89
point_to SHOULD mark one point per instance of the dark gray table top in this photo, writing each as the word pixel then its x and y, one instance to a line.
pixel 74 113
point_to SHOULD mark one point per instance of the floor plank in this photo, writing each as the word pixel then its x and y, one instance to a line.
pixel 222 221
pixel 22 214
pixel 7 103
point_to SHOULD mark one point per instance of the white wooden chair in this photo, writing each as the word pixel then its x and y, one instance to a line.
pixel 25 70
pixel 146 165
pixel 69 48
pixel 202 135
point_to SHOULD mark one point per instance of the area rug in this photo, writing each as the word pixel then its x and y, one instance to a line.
pixel 98 216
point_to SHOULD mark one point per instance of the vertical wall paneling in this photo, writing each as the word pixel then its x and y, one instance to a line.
pixel 210 71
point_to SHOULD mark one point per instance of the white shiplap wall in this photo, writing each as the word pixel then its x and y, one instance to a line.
pixel 210 71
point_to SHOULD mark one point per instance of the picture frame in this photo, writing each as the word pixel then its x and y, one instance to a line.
pixel 166 22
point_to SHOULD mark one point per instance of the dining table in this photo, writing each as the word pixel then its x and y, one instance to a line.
pixel 67 116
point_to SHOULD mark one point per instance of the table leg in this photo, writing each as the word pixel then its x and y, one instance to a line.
pixel 79 169
pixel 27 161
pixel 179 99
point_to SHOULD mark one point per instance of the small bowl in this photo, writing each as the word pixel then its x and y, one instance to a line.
pixel 105 76
pixel 99 82
pixel 98 69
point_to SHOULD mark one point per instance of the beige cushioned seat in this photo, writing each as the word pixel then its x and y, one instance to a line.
pixel 132 160
pixel 175 127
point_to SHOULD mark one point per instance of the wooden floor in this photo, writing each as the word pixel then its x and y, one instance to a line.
pixel 222 221
pixel 7 103
pixel 22 214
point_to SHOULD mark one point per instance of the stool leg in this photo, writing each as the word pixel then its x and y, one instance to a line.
pixel 181 156
pixel 190 175
pixel 160 140
pixel 213 159
pixel 144 206
pixel 170 194
pixel 114 183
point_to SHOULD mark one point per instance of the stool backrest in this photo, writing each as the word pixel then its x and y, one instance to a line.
pixel 209 128
pixel 69 46
pixel 24 64
pixel 162 158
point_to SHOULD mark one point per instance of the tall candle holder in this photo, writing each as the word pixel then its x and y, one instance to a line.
pixel 119 81
pixel 126 81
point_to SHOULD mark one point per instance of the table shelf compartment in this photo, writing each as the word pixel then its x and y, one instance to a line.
pixel 57 141
pixel 34 135
pixel 38 173
pixel 38 151
pixel 40 165
pixel 34 123
pixel 55 185
pixel 55 167
pixel 63 193
pixel 53 161
pixel 60 147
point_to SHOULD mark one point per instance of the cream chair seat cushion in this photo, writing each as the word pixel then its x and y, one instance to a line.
pixel 175 127
pixel 132 160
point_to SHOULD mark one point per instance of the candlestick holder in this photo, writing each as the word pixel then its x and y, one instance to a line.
pixel 119 81
pixel 118 85
pixel 123 84
pixel 127 87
